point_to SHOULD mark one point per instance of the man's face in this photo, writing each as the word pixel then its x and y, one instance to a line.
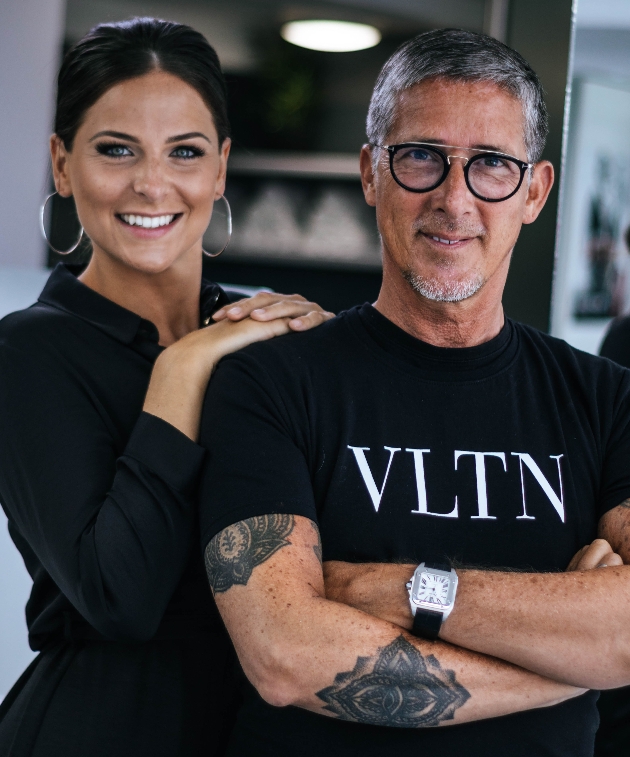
pixel 447 243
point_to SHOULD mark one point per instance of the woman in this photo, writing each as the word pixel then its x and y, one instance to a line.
pixel 97 471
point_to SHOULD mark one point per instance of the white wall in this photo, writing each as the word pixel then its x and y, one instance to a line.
pixel 31 33
pixel 19 288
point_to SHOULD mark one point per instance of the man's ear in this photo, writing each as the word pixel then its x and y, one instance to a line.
pixel 59 158
pixel 538 190
pixel 367 175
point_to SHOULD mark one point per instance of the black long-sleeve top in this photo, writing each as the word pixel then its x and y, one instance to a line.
pixel 100 502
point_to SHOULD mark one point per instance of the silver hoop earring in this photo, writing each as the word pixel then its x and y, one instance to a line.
pixel 228 215
pixel 41 221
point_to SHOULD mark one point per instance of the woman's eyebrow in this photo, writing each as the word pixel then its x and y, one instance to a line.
pixel 189 135
pixel 116 135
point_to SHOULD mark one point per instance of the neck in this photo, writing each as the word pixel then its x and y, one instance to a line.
pixel 468 323
pixel 169 299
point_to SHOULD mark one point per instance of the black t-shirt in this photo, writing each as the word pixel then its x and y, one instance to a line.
pixel 500 455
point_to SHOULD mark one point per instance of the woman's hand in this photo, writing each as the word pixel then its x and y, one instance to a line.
pixel 181 373
pixel 267 306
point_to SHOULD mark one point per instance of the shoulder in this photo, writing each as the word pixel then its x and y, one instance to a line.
pixel 34 327
pixel 298 349
pixel 593 372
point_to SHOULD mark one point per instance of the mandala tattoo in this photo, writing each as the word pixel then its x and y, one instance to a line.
pixel 234 552
pixel 399 687
pixel 317 548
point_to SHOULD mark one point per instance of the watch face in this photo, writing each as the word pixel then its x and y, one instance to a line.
pixel 433 589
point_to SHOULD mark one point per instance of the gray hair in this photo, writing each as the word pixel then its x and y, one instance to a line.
pixel 460 56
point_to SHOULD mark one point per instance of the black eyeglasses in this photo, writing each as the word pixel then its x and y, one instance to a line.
pixel 421 167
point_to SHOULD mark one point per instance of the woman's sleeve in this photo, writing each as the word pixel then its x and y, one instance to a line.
pixel 113 528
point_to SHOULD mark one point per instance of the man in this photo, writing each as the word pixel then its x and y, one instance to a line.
pixel 426 429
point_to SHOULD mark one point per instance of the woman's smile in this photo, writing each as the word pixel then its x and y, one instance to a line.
pixel 144 226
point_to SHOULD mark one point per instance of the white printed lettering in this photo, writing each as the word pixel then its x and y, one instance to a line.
pixel 480 471
pixel 422 486
pixel 558 503
pixel 366 473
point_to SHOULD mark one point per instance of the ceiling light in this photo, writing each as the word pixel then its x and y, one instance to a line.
pixel 331 36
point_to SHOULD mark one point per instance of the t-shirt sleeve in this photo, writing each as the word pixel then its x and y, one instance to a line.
pixel 615 487
pixel 255 428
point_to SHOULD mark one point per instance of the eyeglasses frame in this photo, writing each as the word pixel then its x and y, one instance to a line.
pixel 446 159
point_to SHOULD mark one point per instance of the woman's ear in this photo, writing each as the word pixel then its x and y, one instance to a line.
pixel 223 156
pixel 59 159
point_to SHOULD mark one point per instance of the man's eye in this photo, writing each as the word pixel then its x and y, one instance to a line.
pixel 420 155
pixel 186 152
pixel 114 150
pixel 492 161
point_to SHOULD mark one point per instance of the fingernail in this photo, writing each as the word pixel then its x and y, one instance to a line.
pixel 297 323
pixel 219 313
pixel 234 311
pixel 602 565
pixel 258 310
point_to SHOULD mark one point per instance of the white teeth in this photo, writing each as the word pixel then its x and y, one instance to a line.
pixel 147 222
pixel 445 241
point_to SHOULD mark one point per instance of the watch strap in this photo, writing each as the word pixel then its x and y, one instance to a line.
pixel 427 624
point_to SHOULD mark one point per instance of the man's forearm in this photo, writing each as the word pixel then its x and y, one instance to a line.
pixel 571 627
pixel 299 648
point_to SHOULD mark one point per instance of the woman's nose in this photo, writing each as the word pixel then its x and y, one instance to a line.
pixel 151 180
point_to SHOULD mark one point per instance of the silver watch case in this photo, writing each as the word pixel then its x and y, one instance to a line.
pixel 415 585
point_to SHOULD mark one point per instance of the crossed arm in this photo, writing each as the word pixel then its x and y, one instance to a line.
pixel 299 647
pixel 572 627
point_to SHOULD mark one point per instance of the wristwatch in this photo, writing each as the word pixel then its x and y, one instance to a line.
pixel 432 590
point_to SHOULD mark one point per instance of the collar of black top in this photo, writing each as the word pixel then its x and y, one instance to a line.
pixel 64 291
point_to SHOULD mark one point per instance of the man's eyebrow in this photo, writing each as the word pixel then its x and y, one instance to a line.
pixel 189 135
pixel 430 141
pixel 116 135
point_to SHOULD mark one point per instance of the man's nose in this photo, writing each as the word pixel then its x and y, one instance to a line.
pixel 453 195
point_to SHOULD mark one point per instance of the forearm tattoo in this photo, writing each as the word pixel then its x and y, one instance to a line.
pixel 317 548
pixel 397 687
pixel 234 552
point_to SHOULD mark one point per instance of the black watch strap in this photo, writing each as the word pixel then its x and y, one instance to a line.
pixel 427 624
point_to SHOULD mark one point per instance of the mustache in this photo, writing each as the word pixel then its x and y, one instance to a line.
pixel 432 224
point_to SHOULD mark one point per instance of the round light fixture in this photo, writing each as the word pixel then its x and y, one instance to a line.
pixel 331 36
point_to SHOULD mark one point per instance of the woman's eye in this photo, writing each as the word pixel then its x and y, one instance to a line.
pixel 187 152
pixel 114 150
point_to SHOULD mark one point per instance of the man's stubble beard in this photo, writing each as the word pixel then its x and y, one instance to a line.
pixel 444 291
pixel 436 289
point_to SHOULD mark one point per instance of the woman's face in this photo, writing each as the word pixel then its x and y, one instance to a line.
pixel 145 169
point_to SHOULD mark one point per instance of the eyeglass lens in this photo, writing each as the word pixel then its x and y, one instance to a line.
pixel 422 168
